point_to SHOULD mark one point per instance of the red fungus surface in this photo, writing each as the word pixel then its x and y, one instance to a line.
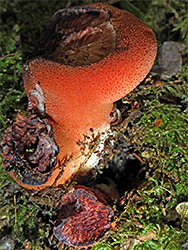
pixel 88 58
pixel 83 217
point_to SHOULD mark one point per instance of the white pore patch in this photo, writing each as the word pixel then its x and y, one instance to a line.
pixel 97 152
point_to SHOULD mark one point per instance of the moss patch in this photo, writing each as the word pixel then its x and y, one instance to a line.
pixel 146 217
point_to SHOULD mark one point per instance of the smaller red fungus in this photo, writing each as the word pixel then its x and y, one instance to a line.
pixel 84 217
pixel 29 148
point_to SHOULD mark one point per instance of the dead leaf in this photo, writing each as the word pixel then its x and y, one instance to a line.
pixel 158 122
pixel 27 244
pixel 140 239
pixel 149 236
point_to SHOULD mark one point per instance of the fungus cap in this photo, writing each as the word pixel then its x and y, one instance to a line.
pixel 117 72
pixel 83 217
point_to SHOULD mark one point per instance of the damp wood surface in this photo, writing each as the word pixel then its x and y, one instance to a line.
pixel 149 159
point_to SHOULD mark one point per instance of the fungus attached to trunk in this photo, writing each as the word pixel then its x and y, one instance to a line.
pixel 83 217
pixel 87 58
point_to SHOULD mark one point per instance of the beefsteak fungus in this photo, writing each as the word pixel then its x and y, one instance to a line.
pixel 87 58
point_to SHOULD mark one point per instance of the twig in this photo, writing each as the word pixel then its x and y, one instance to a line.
pixel 11 54
pixel 15 210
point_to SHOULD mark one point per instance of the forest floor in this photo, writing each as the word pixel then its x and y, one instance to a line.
pixel 149 160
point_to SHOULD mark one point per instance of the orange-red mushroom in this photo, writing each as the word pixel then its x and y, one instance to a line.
pixel 88 58
pixel 83 217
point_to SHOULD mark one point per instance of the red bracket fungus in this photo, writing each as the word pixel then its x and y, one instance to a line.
pixel 83 217
pixel 88 58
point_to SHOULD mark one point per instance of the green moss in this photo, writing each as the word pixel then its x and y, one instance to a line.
pixel 163 147
pixel 11 92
